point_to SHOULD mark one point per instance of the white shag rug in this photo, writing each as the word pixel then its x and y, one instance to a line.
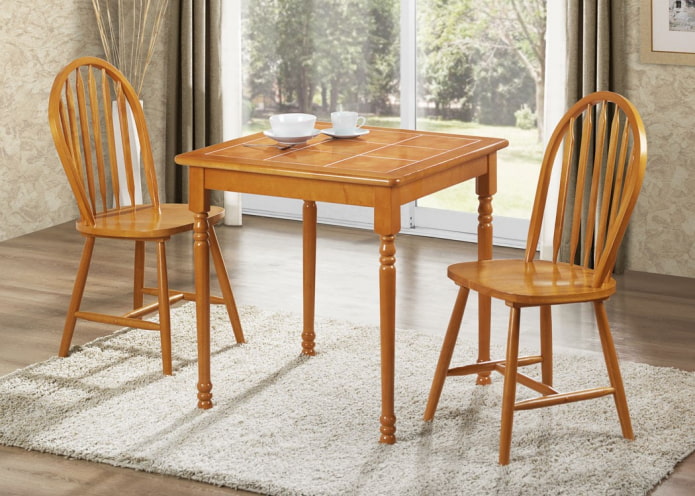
pixel 292 425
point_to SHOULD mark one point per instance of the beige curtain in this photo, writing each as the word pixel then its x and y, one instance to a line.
pixel 194 107
pixel 596 56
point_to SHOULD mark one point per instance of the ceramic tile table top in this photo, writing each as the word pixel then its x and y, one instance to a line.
pixel 383 169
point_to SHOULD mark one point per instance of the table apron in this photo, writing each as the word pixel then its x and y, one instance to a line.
pixel 290 187
pixel 344 192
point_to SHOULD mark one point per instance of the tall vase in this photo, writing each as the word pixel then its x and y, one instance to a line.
pixel 232 208
pixel 124 196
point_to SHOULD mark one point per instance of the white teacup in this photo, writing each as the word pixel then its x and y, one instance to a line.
pixel 345 122
pixel 292 125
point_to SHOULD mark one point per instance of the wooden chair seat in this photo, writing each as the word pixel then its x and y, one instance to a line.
pixel 600 149
pixel 146 222
pixel 534 283
pixel 94 114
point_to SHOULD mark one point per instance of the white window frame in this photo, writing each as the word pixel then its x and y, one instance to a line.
pixel 232 101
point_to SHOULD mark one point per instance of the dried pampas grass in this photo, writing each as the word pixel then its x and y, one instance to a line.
pixel 129 30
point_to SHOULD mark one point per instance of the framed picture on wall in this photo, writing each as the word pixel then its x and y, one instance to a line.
pixel 668 32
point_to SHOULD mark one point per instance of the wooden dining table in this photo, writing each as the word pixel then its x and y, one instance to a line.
pixel 383 169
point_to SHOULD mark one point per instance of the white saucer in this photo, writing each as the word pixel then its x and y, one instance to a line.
pixel 358 132
pixel 291 140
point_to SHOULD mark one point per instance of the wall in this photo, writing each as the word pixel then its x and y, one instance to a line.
pixel 662 236
pixel 38 38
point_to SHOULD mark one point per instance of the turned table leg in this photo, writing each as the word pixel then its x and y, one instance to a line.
pixel 486 186
pixel 309 275
pixel 201 254
pixel 387 296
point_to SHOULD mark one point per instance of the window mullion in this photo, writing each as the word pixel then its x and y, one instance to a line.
pixel 408 64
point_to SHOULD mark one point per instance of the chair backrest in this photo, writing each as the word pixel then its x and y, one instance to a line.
pixel 88 96
pixel 600 145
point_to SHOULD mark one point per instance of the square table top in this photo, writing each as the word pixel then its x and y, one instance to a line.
pixel 384 155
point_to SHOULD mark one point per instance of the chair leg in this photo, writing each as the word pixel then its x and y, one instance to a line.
pixel 484 316
pixel 164 311
pixel 446 353
pixel 613 369
pixel 546 345
pixel 509 391
pixel 139 275
pixel 76 298
pixel 225 286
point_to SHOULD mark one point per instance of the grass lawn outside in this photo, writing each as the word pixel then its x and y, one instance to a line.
pixel 517 167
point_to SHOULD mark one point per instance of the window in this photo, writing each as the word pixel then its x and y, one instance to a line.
pixel 461 66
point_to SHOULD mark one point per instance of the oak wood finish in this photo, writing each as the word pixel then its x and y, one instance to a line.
pixel 82 125
pixel 651 317
pixel 383 170
pixel 610 157
pixel 309 216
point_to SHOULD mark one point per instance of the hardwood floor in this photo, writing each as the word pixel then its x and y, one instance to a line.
pixel 653 319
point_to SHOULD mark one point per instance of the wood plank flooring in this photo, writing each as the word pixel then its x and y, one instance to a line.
pixel 653 319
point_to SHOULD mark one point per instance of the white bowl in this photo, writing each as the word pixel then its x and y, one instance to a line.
pixel 292 125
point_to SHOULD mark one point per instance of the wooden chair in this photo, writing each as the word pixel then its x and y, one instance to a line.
pixel 82 123
pixel 609 157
